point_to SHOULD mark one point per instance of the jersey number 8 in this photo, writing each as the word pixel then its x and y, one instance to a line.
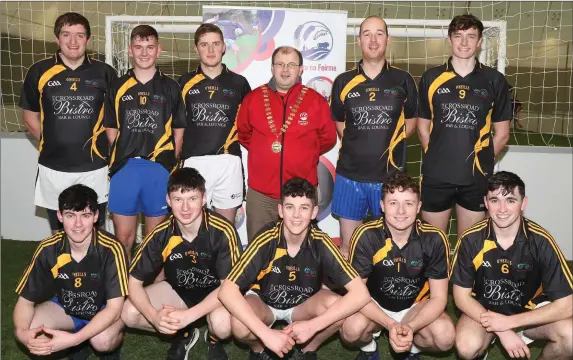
pixel 77 282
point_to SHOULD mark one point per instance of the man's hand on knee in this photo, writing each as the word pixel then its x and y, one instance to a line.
pixel 32 339
pixel 60 340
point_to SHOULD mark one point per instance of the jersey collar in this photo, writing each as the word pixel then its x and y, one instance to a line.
pixel 58 60
pixel 449 67
pixel 200 71
pixel 522 233
pixel 158 74
pixel 360 71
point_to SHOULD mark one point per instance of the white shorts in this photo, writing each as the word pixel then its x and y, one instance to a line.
pixel 525 339
pixel 50 183
pixel 278 314
pixel 223 179
pixel 397 316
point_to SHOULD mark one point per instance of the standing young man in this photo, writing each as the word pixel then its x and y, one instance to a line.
pixel 197 249
pixel 281 274
pixel 459 102
pixel 144 120
pixel 511 281
pixel 285 126
pixel 374 106
pixel 62 99
pixel 74 288
pixel 404 262
pixel 212 96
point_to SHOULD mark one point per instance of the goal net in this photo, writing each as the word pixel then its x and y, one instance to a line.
pixel 530 42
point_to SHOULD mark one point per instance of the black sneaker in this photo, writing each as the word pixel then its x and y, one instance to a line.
pixel 182 342
pixel 259 356
pixel 368 355
pixel 80 352
pixel 299 355
pixel 215 350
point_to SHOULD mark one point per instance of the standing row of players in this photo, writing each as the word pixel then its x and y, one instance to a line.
pixel 510 280
pixel 151 122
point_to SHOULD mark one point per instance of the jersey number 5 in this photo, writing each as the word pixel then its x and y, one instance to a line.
pixel 505 268
pixel 291 276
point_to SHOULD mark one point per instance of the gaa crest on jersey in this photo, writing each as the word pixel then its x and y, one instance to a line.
pixel 314 40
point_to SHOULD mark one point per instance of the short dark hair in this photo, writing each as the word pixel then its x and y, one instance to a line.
pixel 71 18
pixel 287 50
pixel 299 187
pixel 205 29
pixel 77 198
pixel 465 22
pixel 144 32
pixel 373 17
pixel 507 181
pixel 400 182
pixel 186 179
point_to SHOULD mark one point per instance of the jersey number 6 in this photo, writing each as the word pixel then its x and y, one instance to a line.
pixel 505 268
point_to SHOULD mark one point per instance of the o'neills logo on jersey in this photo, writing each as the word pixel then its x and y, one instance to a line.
pixel 303 119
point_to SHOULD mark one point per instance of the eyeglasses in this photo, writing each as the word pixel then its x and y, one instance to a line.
pixel 282 65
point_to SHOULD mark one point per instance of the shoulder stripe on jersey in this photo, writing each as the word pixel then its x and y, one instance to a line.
pixel 482 142
pixel 278 254
pixel 61 262
pixel 189 84
pixel 162 145
pixel 358 233
pixel 229 232
pixel 171 244
pixel 348 269
pixel 487 246
pixel 439 81
pixel 252 250
pixel 50 73
pixel 541 231
pixel 382 252
pixel 158 228
pixel 119 259
pixel 54 239
pixel 351 84
pixel 397 137
pixel 430 228
pixel 122 90
pixel 475 228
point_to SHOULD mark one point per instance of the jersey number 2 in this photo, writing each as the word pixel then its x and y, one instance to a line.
pixel 372 96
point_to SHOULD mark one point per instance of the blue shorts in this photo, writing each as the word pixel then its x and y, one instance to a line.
pixel 352 199
pixel 78 323
pixel 139 186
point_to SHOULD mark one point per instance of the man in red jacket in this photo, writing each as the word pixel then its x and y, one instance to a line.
pixel 285 127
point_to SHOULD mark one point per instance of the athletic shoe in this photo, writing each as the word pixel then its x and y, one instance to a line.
pixel 215 350
pixel 81 352
pixel 368 355
pixel 182 342
pixel 259 356
pixel 299 355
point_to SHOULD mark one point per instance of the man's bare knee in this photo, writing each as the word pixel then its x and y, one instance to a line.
pixel 564 338
pixel 240 331
pixel 106 341
pixel 220 323
pixel 353 328
pixel 443 334
pixel 467 347
pixel 130 315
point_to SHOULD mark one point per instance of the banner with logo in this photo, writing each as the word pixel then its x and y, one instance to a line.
pixel 251 36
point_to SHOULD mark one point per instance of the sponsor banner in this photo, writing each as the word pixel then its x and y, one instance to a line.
pixel 252 34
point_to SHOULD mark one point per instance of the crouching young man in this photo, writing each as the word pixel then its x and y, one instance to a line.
pixel 196 248
pixel 74 288
pixel 404 263
pixel 280 275
pixel 511 281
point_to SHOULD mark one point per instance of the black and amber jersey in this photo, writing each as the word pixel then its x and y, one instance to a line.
pixel 70 103
pixel 516 279
pixel 192 268
pixel 212 106
pixel 282 281
pixel 82 287
pixel 461 111
pixel 398 278
pixel 145 116
pixel 374 113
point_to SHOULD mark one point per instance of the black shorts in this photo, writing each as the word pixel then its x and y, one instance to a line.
pixel 439 196
pixel 56 225
pixel 191 297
